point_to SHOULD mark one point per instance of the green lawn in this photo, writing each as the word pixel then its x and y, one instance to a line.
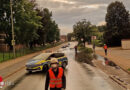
pixel 129 69
pixel 9 55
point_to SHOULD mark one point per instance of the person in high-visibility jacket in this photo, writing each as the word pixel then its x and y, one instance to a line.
pixel 105 49
pixel 55 78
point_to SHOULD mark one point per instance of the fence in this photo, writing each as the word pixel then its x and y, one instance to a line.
pixel 9 55
pixel 4 56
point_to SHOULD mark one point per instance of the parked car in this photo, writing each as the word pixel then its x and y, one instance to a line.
pixel 42 61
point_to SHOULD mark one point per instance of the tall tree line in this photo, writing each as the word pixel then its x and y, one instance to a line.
pixel 49 30
pixel 117 27
pixel 32 26
pixel 117 24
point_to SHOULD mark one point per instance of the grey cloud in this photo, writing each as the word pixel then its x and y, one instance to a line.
pixel 67 14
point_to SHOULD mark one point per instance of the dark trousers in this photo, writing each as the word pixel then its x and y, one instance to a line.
pixel 105 51
pixel 55 88
pixel 75 51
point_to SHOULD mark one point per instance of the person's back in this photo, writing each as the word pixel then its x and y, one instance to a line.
pixel 94 47
pixel 105 46
pixel 75 47
pixel 105 49
pixel 75 50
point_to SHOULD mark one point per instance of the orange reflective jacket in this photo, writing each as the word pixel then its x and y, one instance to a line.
pixel 105 47
pixel 55 81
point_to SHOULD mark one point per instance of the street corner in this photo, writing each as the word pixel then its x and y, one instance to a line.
pixel 4 84
pixel 1 82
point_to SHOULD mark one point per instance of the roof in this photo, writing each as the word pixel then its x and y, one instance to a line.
pixel 42 56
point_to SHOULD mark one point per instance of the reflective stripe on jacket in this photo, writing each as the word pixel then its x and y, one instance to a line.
pixel 56 81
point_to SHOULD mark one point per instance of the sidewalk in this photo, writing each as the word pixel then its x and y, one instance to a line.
pixel 117 55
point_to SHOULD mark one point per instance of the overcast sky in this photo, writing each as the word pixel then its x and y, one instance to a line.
pixel 67 12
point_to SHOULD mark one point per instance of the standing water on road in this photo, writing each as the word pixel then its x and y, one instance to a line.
pixel 79 76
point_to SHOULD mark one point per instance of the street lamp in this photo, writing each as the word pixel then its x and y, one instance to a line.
pixel 12 25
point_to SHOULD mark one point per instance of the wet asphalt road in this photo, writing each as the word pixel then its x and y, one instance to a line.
pixel 79 77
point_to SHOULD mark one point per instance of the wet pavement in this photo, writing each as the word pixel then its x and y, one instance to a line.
pixel 112 69
pixel 80 76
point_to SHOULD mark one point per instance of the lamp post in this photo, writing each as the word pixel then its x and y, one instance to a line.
pixel 12 25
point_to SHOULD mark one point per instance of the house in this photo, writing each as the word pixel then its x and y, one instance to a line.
pixel 125 43
pixel 3 46
pixel 63 38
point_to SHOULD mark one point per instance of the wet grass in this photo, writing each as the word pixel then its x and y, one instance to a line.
pixel 4 56
pixel 129 69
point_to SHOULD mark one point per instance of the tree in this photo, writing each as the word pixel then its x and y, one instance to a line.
pixel 117 24
pixel 26 21
pixel 49 32
pixel 52 32
pixel 69 36
pixel 58 34
pixel 102 28
pixel 31 26
pixel 94 30
pixel 5 21
pixel 82 31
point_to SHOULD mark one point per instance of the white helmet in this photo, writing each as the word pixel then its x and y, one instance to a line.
pixel 54 60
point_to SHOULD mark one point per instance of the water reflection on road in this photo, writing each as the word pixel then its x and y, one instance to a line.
pixel 79 77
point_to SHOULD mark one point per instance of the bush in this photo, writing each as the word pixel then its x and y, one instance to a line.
pixel 98 43
pixel 84 49
pixel 87 50
pixel 80 48
pixel 85 55
pixel 94 56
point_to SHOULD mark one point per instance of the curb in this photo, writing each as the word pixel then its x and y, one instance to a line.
pixel 120 82
pixel 115 63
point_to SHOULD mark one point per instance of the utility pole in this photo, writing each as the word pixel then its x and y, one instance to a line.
pixel 12 25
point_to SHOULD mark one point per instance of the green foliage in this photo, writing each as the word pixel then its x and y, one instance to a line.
pixel 118 24
pixel 70 36
pixel 129 69
pixel 4 56
pixel 49 32
pixel 82 31
pixel 26 21
pixel 98 43
pixel 102 28
pixel 87 50
pixel 85 55
pixel 85 30
pixel 94 30
pixel 53 32
pixel 31 26
pixel 80 47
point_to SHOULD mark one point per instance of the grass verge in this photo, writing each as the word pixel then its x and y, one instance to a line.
pixel 4 56
pixel 129 69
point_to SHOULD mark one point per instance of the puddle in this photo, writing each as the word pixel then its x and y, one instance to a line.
pixel 98 57
pixel 106 61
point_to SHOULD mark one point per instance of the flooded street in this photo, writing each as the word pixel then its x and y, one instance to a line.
pixel 79 77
